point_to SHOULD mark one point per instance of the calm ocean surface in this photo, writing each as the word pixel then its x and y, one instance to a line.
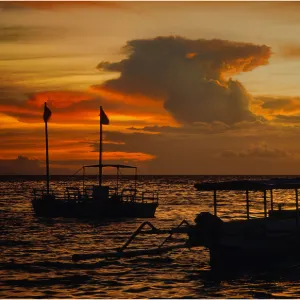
pixel 35 259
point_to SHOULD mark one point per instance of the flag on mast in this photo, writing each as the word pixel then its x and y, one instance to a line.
pixel 103 117
pixel 47 113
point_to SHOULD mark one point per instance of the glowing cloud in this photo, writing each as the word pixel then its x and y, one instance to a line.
pixel 190 75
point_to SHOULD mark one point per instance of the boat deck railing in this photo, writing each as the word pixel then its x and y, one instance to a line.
pixel 149 196
pixel 39 193
pixel 131 195
pixel 72 193
pixel 76 194
pixel 264 206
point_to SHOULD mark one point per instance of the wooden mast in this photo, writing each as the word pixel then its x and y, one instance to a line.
pixel 47 159
pixel 103 121
pixel 100 149
pixel 46 117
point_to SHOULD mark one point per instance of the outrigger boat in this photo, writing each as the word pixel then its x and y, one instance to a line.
pixel 98 201
pixel 249 242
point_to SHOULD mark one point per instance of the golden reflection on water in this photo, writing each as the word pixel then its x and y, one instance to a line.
pixel 36 253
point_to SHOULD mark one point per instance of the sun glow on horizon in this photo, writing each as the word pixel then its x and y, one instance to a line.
pixel 188 90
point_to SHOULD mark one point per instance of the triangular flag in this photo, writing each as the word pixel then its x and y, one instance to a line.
pixel 103 117
pixel 47 113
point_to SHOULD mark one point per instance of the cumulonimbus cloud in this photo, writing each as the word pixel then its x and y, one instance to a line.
pixel 192 76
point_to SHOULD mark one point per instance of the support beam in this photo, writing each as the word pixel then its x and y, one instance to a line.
pixel 47 158
pixel 100 150
pixel 247 204
pixel 297 206
pixel 215 202
pixel 271 195
pixel 265 203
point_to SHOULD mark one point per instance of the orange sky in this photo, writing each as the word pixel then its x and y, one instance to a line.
pixel 189 88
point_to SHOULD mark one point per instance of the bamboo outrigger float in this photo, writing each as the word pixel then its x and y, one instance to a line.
pixel 161 248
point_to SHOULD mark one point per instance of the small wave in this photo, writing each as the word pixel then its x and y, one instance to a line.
pixel 46 266
pixel 13 243
pixel 151 260
pixel 137 290
pixel 66 280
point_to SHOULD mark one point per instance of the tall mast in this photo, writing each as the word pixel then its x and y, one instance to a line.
pixel 103 121
pixel 100 149
pixel 46 117
pixel 47 158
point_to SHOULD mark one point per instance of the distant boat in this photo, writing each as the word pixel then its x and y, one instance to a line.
pixel 252 242
pixel 98 201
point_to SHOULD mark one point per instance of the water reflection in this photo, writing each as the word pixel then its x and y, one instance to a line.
pixel 36 252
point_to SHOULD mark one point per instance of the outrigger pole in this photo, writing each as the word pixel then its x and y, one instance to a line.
pixel 139 252
pixel 46 117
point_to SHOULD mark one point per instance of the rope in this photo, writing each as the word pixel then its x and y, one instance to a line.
pixel 77 172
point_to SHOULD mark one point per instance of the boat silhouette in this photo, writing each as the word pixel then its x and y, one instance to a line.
pixel 98 201
pixel 250 242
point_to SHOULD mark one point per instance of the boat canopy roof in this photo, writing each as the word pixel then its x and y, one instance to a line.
pixel 110 166
pixel 250 185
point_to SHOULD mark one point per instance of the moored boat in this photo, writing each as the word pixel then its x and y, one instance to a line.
pixel 99 201
pixel 250 242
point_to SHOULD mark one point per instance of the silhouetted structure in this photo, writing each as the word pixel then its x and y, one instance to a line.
pixel 234 244
pixel 97 201
pixel 254 241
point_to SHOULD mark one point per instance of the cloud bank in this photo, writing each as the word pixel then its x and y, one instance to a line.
pixel 190 75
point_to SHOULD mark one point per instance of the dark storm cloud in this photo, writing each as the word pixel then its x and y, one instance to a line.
pixel 191 75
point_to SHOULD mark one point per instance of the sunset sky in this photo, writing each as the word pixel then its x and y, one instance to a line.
pixel 189 87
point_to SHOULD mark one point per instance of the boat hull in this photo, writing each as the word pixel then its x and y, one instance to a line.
pixel 93 209
pixel 247 244
pixel 256 253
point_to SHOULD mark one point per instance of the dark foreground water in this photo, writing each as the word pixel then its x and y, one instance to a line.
pixel 36 253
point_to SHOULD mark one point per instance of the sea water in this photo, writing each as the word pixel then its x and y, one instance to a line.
pixel 35 253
